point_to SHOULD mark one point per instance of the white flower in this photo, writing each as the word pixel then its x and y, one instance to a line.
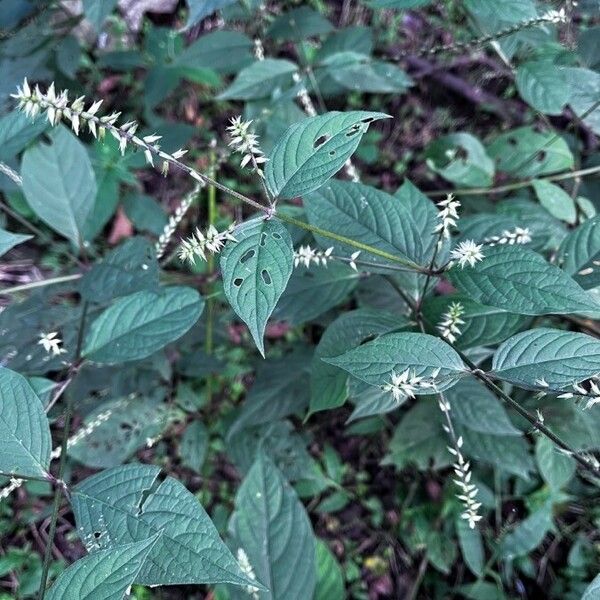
pixel 247 569
pixel 467 252
pixel 449 325
pixel 448 216
pixel 353 258
pixel 555 16
pixel 246 143
pixel 468 490
pixel 305 255
pixel 199 243
pixel 51 343
pixel 407 383
pixel 520 235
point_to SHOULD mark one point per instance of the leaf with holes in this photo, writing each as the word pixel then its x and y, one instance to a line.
pixel 140 324
pixel 107 574
pixel 580 254
pixel 25 441
pixel 131 503
pixel 521 281
pixel 560 358
pixel 271 526
pixel 314 150
pixel 256 270
pixel 426 356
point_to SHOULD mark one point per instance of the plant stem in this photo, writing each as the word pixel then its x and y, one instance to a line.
pixel 344 240
pixel 514 186
pixel 63 459
pixel 41 283
pixel 489 383
pixel 210 301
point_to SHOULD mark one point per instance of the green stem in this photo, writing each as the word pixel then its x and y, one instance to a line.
pixel 349 242
pixel 514 186
pixel 210 300
pixel 537 424
pixel 42 283
pixel 59 489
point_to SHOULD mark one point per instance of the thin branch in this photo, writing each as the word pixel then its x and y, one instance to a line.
pixel 41 283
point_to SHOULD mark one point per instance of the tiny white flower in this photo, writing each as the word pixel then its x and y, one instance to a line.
pixel 467 252
pixel 246 143
pixel 353 257
pixel 248 570
pixel 448 216
pixel 51 343
pixel 197 245
pixel 449 326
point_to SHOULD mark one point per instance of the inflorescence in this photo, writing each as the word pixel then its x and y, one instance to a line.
pixel 198 244
pixel 449 326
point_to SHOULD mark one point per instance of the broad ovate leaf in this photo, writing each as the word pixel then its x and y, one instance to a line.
pixel 129 504
pixel 25 441
pixel 365 215
pixel 580 254
pixel 312 151
pixel 546 357
pixel 522 282
pixel 103 575
pixel 543 85
pixel 271 528
pixel 140 324
pixel 256 270
pixel 59 183
pixel 424 355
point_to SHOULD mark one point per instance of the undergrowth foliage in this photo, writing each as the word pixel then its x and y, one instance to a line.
pixel 460 323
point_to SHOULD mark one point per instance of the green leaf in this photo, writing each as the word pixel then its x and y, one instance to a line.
pixel 298 24
pixel 105 574
pixel 271 526
pixel 25 441
pixel 580 254
pixel 543 85
pixel 423 354
pixel 312 151
pixel 461 159
pixel 256 271
pixel 483 325
pixel 129 268
pixel 120 427
pixel 130 503
pixel 555 200
pixel 556 467
pixel 358 38
pixel 280 389
pixel 328 383
pixel 592 591
pixel 59 183
pixel 260 79
pixel 398 4
pixel 331 284
pixel 200 9
pixel 139 325
pixel 360 73
pixel 528 534
pixel 560 358
pixel 193 446
pixel 526 152
pixel 97 12
pixel 521 281
pixel 584 87
pixel 330 579
pixel 9 240
pixel 222 51
pixel 471 546
pixel 366 215
pixel 17 130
